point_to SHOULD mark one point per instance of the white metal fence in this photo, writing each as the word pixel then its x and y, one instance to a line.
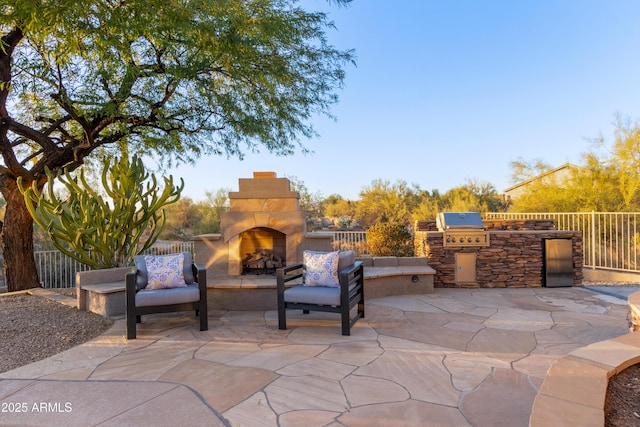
pixel 57 270
pixel 350 240
pixel 611 239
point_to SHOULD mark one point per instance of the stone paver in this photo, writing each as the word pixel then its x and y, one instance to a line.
pixel 362 390
pixel 535 366
pixel 254 411
pixel 71 403
pixel 423 375
pixel 503 343
pixel 225 385
pixel 411 413
pixel 568 414
pixel 310 393
pixel 470 370
pixel 520 320
pixel 574 381
pixel 357 353
pixel 455 357
pixel 505 391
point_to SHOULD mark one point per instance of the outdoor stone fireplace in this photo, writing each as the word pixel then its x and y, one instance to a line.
pixel 264 223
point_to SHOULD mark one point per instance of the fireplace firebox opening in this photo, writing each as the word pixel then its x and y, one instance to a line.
pixel 262 250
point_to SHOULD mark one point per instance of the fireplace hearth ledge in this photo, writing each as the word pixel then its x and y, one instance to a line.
pixel 383 276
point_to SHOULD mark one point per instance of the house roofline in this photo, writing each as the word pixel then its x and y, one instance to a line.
pixel 542 175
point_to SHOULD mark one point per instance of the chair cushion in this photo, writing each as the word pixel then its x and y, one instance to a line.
pixel 347 258
pixel 142 276
pixel 318 295
pixel 321 268
pixel 150 297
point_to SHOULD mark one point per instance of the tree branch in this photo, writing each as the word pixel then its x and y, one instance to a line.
pixel 28 133
pixel 8 42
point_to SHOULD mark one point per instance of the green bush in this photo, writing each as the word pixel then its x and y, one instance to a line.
pixel 387 239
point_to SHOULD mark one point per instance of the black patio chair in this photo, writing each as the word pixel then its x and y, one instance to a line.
pixel 336 299
pixel 141 300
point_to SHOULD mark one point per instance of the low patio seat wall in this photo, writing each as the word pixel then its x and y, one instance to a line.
pixel 102 291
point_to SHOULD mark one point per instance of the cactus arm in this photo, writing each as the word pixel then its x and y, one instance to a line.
pixel 103 232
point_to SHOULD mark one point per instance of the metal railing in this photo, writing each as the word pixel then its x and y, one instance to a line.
pixel 350 240
pixel 57 270
pixel 611 239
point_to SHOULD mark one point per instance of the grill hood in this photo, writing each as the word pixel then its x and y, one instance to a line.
pixel 459 221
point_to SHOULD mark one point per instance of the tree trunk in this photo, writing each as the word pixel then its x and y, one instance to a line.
pixel 16 241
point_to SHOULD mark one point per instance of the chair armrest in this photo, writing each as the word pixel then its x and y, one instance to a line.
pixel 351 268
pixel 290 268
pixel 282 276
pixel 130 292
pixel 200 274
pixel 130 280
pixel 351 274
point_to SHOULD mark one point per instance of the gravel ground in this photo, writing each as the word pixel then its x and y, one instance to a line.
pixel 33 328
pixel 622 406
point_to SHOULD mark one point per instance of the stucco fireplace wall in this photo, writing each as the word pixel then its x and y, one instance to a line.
pixel 262 202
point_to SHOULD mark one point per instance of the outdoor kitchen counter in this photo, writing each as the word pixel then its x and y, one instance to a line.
pixel 512 258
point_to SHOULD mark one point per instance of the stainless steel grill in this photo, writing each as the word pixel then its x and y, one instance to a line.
pixel 462 229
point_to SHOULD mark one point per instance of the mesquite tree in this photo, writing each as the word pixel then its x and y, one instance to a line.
pixel 177 80
pixel 103 232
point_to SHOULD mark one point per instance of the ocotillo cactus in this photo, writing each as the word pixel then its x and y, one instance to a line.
pixel 103 233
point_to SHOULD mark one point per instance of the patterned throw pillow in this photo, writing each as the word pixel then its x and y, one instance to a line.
pixel 165 272
pixel 321 268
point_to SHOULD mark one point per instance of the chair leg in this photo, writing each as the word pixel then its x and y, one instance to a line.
pixel 282 322
pixel 346 322
pixel 131 327
pixel 204 323
pixel 282 315
pixel 204 318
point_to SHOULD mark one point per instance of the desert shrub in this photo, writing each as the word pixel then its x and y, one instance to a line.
pixel 386 239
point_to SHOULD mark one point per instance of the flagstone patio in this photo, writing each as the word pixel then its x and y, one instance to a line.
pixel 456 357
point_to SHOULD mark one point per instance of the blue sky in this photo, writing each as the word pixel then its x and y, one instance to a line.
pixel 454 90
